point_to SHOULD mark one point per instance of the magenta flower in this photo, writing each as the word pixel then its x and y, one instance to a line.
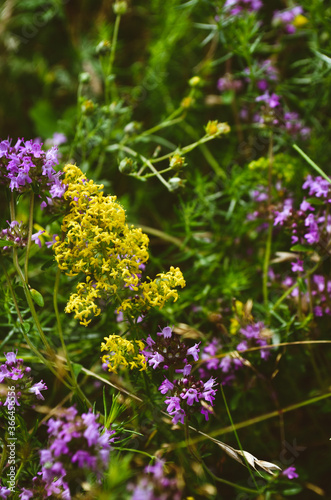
pixel 194 351
pixel 290 473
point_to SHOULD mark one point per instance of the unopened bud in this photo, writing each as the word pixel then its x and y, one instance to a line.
pixel 194 81
pixel 127 166
pixel 84 77
pixel 175 183
pixel 120 8
pixel 103 48
pixel 87 107
pixel 177 161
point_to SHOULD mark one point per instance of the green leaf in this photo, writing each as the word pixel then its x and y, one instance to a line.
pixel 77 368
pixel 26 326
pixel 37 297
pixel 6 243
pixel 300 248
pixel 292 491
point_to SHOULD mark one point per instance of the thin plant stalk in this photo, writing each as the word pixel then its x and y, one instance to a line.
pixel 28 246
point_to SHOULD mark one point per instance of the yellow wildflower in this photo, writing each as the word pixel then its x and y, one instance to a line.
pixel 98 243
pixel 123 353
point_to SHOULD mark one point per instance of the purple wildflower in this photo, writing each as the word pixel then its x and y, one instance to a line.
pixel 14 373
pixel 26 164
pixel 194 351
pixel 285 18
pixel 290 473
pixel 75 445
pixel 36 239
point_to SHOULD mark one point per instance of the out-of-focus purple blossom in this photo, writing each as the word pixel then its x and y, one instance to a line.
pixel 312 236
pixel 282 216
pixel 259 194
pixel 4 492
pixel 318 187
pixel 236 7
pixel 57 139
pixel 272 100
pixel 155 485
pixel 227 82
pixel 320 289
pixel 285 18
pixel 14 373
pixel 35 238
pixel 16 234
pixel 76 445
pixel 294 126
pixel 290 473
pixel 265 74
pixel 297 267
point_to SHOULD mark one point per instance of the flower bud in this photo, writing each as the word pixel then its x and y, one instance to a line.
pixel 127 166
pixel 120 7
pixel 194 81
pixel 87 107
pixel 175 183
pixel 177 161
pixel 103 48
pixel 132 128
pixel 84 77
pixel 215 128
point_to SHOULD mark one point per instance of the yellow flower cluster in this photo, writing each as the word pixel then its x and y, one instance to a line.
pixel 155 293
pixel 123 353
pixel 97 242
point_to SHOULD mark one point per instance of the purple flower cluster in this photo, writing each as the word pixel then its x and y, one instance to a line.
pixel 266 73
pixel 285 18
pixel 26 165
pixel 4 492
pixel 236 7
pixel 154 485
pixel 308 225
pixel 16 234
pixel 227 82
pixel 167 350
pixel 253 336
pixel 271 113
pixel 187 394
pixel 76 446
pixel 13 373
pixel 320 291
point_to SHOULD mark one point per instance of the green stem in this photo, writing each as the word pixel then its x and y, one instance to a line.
pixel 147 162
pixel 24 284
pixel 64 347
pixel 108 83
pixel 266 264
pixel 26 338
pixel 237 437
pixel 205 151
pixel 234 485
pixel 290 290
pixel 311 163
pixel 28 247
pixel 270 228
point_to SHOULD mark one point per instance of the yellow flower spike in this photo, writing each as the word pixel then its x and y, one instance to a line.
pixel 123 353
pixel 100 244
